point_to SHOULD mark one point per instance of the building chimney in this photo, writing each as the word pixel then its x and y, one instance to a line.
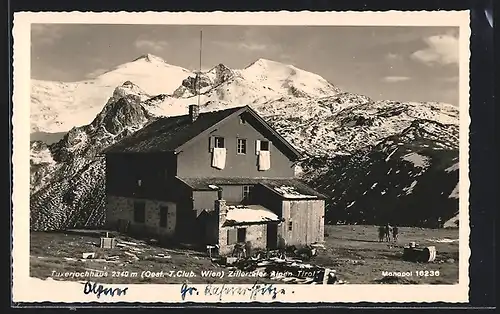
pixel 194 112
pixel 221 210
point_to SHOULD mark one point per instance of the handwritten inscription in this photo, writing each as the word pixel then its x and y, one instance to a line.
pixel 220 291
pixel 185 289
pixel 253 292
pixel 98 290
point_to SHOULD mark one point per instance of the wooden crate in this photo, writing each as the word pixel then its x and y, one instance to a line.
pixel 108 243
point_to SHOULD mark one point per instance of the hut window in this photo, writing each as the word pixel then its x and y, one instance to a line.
pixel 264 145
pixel 290 225
pixel 163 216
pixel 215 141
pixel 139 212
pixel 231 236
pixel 247 189
pixel 242 146
pixel 242 234
pixel 219 142
pixel 139 182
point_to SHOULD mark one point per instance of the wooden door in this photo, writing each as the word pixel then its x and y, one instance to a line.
pixel 272 236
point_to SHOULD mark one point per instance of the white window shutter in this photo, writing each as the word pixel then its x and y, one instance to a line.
pixel 211 143
pixel 257 147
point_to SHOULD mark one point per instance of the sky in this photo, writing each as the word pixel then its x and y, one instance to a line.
pixel 404 63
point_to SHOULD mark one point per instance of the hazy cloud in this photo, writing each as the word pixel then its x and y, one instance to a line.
pixel 46 34
pixel 393 56
pixel 245 46
pixel 253 40
pixel 286 57
pixel 441 49
pixel 252 46
pixel 151 45
pixel 395 79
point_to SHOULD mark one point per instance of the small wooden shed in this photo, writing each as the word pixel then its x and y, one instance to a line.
pixel 301 209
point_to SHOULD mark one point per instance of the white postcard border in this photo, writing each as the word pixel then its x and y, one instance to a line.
pixel 26 289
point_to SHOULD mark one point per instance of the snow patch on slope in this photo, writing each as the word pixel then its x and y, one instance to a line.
pixel 454 167
pixel 417 160
pixel 454 193
pixel 40 155
pixel 408 190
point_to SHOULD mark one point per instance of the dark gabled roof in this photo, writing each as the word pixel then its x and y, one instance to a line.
pixel 171 134
pixel 168 134
pixel 202 184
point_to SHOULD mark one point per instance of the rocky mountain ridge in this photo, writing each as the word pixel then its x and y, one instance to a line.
pixel 410 178
pixel 68 177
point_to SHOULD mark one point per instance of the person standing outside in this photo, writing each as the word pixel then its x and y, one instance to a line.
pixel 388 230
pixel 381 233
pixel 395 232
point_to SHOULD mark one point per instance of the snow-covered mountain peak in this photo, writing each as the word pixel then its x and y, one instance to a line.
pixel 269 66
pixel 289 78
pixel 150 58
pixel 266 63
pixel 145 63
pixel 257 84
pixel 273 68
pixel 219 67
pixel 219 74
pixel 57 107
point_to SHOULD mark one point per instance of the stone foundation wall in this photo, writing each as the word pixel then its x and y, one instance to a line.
pixel 118 207
pixel 255 234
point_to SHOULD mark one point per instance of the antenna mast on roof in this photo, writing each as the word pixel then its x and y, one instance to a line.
pixel 199 69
